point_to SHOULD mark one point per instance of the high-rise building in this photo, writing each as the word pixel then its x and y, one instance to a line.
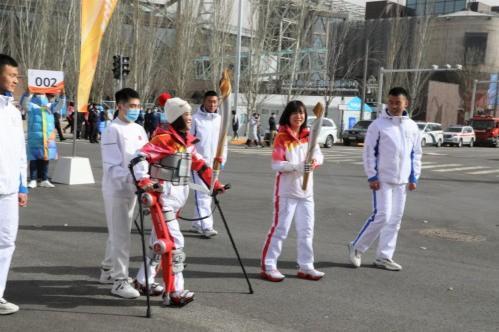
pixel 436 7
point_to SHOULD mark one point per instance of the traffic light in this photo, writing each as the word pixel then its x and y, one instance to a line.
pixel 117 67
pixel 121 66
pixel 125 66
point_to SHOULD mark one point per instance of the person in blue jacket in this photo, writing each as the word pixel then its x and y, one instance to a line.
pixel 41 139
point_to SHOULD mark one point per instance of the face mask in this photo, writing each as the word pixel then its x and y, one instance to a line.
pixel 162 117
pixel 132 115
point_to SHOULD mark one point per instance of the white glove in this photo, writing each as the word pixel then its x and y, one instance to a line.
pixel 289 167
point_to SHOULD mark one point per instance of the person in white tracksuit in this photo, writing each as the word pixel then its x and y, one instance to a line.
pixel 120 141
pixel 13 169
pixel 290 200
pixel 206 127
pixel 392 163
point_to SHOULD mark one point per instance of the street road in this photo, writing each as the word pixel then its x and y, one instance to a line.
pixel 448 246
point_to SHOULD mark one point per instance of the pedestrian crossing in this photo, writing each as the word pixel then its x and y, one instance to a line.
pixel 353 156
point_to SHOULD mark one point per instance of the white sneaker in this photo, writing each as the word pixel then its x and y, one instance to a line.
pixel 179 298
pixel 105 276
pixel 46 184
pixel 209 233
pixel 310 274
pixel 7 308
pixel 354 255
pixel 273 275
pixel 197 229
pixel 387 264
pixel 32 184
pixel 124 289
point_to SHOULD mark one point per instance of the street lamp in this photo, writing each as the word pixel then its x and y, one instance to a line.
pixel 473 96
pixel 434 68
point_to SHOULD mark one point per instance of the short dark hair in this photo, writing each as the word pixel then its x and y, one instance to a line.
pixel 6 60
pixel 210 93
pixel 398 91
pixel 124 95
pixel 179 124
pixel 293 107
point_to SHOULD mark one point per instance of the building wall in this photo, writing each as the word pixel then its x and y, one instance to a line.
pixel 443 104
pixel 447 43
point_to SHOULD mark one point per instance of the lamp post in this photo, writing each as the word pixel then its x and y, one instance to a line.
pixel 382 71
pixel 473 96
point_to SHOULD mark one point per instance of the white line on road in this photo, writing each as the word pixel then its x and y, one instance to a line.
pixel 358 163
pixel 489 171
pixel 469 168
pixel 441 165
pixel 339 160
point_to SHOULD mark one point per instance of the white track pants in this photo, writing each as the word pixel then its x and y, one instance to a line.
pixel 9 221
pixel 285 209
pixel 178 239
pixel 384 223
pixel 119 218
pixel 203 208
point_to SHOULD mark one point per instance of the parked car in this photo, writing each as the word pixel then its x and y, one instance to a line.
pixel 329 132
pixel 432 133
pixel 357 134
pixel 459 136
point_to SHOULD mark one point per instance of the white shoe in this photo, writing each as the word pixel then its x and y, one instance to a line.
pixel 209 233
pixel 197 229
pixel 354 255
pixel 7 308
pixel 387 264
pixel 46 184
pixel 32 184
pixel 105 276
pixel 273 275
pixel 178 299
pixel 310 274
pixel 122 288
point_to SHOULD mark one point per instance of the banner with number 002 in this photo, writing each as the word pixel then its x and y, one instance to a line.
pixel 45 81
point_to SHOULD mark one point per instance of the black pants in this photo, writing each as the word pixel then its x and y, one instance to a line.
pixel 57 123
pixel 39 170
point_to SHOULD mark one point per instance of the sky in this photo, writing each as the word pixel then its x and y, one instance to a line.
pixel 488 2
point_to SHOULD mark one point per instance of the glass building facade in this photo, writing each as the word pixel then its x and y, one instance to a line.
pixel 436 7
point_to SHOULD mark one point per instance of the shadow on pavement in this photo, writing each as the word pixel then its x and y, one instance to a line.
pixel 65 294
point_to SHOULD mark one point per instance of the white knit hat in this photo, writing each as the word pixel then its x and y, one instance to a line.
pixel 175 107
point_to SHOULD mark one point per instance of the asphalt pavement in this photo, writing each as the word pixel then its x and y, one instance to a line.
pixel 448 246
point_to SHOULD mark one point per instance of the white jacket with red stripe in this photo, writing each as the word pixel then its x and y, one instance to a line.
pixel 288 160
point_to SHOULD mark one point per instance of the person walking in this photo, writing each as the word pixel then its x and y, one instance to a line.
pixel 392 163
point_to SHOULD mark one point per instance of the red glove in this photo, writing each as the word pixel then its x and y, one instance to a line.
pixel 219 188
pixel 219 159
pixel 146 184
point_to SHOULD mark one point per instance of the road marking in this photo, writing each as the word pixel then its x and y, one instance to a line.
pixel 434 154
pixel 340 160
pixel 358 163
pixel 441 165
pixel 459 169
pixel 489 171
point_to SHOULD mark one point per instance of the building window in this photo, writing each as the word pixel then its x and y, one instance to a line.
pixel 475 47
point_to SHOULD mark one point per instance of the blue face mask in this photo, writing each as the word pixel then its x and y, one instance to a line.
pixel 133 114
pixel 162 117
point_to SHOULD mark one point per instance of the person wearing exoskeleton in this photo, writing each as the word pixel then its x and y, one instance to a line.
pixel 162 169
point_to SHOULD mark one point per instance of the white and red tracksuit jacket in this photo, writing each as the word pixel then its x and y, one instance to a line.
pixel 288 159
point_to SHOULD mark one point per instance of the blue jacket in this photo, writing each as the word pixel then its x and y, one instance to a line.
pixel 41 133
